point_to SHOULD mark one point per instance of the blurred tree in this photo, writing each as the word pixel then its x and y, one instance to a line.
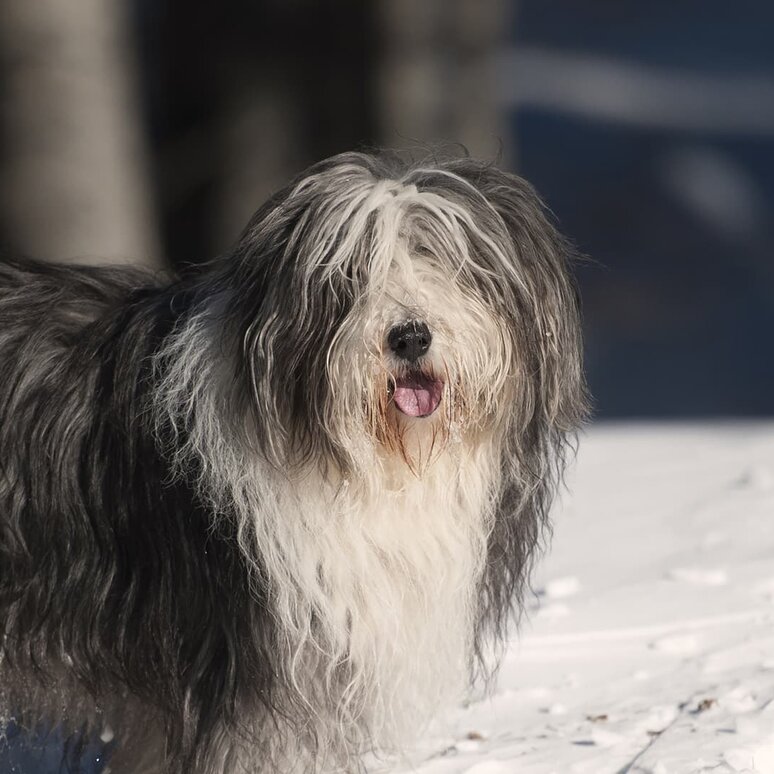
pixel 437 75
pixel 241 96
pixel 74 182
pixel 234 99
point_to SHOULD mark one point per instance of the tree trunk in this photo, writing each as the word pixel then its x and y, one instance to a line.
pixel 75 174
pixel 438 75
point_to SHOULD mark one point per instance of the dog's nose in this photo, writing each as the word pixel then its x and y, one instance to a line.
pixel 410 340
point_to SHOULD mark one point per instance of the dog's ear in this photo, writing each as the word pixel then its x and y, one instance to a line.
pixel 542 310
pixel 522 267
pixel 549 329
pixel 286 303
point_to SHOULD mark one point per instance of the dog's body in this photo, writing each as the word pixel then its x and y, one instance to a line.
pixel 270 516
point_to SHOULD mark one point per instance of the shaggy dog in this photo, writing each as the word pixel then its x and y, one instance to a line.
pixel 272 515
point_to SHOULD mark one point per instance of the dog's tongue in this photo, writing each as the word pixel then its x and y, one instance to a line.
pixel 417 396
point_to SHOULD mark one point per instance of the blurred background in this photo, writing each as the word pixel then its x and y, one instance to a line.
pixel 148 131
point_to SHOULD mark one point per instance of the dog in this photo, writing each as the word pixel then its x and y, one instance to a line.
pixel 274 513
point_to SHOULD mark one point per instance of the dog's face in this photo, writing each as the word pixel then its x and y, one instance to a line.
pixel 422 361
pixel 391 317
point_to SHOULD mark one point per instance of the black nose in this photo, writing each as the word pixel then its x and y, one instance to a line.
pixel 409 341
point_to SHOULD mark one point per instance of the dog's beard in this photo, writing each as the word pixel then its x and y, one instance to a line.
pixel 373 566
pixel 389 551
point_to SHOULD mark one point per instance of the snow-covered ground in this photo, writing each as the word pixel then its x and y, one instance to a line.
pixel 650 645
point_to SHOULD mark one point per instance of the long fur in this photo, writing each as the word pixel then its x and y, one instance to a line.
pixel 218 535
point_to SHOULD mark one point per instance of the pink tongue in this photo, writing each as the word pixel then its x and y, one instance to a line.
pixel 417 396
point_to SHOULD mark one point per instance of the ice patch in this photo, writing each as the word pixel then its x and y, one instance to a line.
pixel 641 675
pixel 758 758
pixel 739 701
pixel 698 576
pixel 553 612
pixel 677 644
pixel 468 745
pixel 660 717
pixel 489 767
pixel 606 739
pixel 562 588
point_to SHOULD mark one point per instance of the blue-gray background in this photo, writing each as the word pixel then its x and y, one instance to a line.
pixel 675 207
pixel 648 127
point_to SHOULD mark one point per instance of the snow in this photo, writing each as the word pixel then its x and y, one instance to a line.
pixel 649 644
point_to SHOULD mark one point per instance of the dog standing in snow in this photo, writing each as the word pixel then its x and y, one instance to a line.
pixel 271 515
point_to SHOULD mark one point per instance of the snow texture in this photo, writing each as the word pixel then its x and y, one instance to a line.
pixel 649 643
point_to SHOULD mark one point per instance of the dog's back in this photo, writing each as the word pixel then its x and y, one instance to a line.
pixel 52 304
pixel 48 371
pixel 48 381
pixel 89 522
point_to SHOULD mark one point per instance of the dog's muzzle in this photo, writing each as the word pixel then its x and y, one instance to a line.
pixel 415 394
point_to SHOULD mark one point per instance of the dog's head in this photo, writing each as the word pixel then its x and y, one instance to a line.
pixel 391 310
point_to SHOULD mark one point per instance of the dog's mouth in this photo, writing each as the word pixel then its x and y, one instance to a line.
pixel 417 395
